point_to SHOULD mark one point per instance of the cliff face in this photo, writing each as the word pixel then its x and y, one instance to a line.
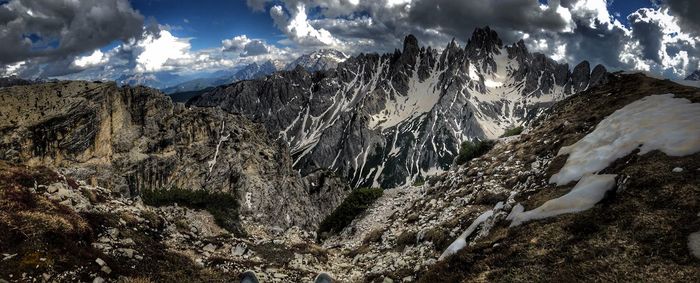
pixel 131 139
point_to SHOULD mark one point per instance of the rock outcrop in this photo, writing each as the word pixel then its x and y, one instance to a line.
pixel 130 139
pixel 388 120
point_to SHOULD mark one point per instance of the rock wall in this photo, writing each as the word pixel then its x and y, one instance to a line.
pixel 130 139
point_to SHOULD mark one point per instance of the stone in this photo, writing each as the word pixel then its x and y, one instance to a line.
pixel 239 249
pixel 53 188
pixel 387 280
pixel 279 275
pixel 209 248
pixel 677 170
pixel 98 280
pixel 128 252
pixel 100 261
pixel 106 269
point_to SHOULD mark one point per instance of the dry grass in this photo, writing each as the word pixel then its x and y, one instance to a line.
pixel 636 234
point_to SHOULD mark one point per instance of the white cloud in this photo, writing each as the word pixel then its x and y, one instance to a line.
pixel 595 12
pixel 158 50
pixel 12 69
pixel 299 28
pixel 95 59
pixel 235 44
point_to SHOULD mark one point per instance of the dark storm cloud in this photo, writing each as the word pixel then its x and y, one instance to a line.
pixel 255 48
pixel 688 13
pixel 458 16
pixel 648 33
pixel 58 28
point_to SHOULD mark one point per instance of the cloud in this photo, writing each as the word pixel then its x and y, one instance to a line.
pixel 687 12
pixel 245 47
pixel 457 17
pixel 159 50
pixel 298 27
pixel 255 48
pixel 95 59
pixel 59 28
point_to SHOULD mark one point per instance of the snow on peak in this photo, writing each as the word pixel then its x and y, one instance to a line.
pixel 322 59
pixel 657 122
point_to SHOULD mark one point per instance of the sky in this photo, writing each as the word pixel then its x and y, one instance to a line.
pixel 107 39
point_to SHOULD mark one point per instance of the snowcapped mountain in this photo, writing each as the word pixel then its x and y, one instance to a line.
pixel 695 76
pixel 155 80
pixel 323 59
pixel 387 120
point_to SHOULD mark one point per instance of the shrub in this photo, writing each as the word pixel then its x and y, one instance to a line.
pixel 439 237
pixel 373 237
pixel 512 131
pixel 223 206
pixel 407 238
pixel 470 150
pixel 419 181
pixel 355 204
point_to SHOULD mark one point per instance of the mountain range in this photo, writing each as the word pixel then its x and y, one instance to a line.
pixel 323 59
pixel 393 119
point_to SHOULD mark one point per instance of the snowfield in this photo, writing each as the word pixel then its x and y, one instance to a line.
pixel 656 122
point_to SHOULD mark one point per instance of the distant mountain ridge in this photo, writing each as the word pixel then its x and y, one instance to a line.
pixel 323 59
pixel 387 120
pixel 250 71
pixel 695 76
pixel 320 60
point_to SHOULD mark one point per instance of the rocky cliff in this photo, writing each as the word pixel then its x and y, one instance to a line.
pixel 388 120
pixel 131 139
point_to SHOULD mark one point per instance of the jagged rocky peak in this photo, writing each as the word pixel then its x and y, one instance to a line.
pixel 386 120
pixel 695 76
pixel 484 42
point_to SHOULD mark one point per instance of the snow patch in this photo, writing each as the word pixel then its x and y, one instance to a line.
pixel 694 244
pixel 222 139
pixel 655 122
pixel 461 241
pixel 587 192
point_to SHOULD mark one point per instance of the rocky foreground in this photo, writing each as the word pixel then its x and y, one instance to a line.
pixel 64 226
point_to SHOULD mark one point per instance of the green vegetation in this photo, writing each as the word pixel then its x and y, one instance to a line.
pixel 470 150
pixel 223 206
pixel 419 181
pixel 512 131
pixel 355 204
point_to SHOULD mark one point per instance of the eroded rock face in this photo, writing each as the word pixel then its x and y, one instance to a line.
pixel 131 139
pixel 386 120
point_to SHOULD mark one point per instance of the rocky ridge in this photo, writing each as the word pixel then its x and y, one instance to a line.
pixel 131 139
pixel 388 120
